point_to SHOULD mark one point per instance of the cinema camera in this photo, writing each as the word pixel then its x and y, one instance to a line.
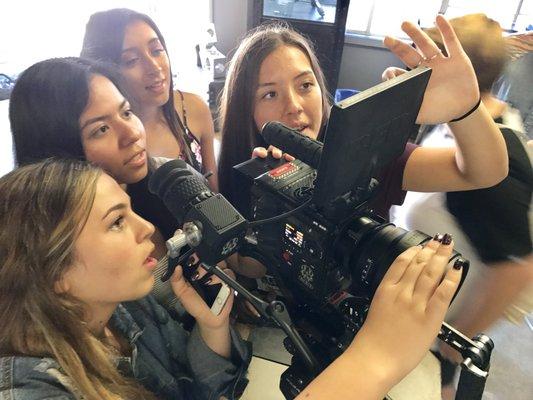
pixel 314 228
pixel 325 249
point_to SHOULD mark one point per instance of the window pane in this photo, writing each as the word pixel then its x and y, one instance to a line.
pixel 37 30
pixel 304 10
pixel 358 14
pixel 389 15
pixel 522 22
pixel 527 8
pixel 525 19
pixel 501 11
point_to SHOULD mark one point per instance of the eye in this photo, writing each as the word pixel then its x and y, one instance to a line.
pixel 127 113
pixel 100 131
pixel 130 62
pixel 158 51
pixel 307 85
pixel 117 224
pixel 269 95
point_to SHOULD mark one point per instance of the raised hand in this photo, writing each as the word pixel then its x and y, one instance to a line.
pixel 452 90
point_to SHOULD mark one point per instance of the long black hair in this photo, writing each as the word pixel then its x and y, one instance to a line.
pixel 239 132
pixel 103 40
pixel 46 104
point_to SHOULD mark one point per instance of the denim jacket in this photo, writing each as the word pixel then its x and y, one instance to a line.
pixel 166 359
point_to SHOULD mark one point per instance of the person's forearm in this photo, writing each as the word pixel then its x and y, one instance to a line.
pixel 217 339
pixel 481 153
pixel 354 375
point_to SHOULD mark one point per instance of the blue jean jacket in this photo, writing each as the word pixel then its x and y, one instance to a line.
pixel 166 359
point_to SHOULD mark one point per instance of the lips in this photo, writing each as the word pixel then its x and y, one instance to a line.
pixel 138 158
pixel 157 87
pixel 150 263
pixel 299 127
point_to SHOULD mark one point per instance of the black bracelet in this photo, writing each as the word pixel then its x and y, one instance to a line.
pixel 468 113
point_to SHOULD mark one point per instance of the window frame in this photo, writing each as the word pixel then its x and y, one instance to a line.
pixel 367 38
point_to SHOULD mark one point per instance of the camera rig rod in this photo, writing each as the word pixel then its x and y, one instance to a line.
pixel 275 311
pixel 476 354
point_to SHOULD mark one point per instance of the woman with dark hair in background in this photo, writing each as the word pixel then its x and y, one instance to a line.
pixel 75 272
pixel 178 124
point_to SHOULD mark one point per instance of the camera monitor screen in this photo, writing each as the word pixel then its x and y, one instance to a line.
pixel 307 10
pixel 367 131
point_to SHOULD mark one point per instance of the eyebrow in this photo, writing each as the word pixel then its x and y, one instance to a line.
pixel 307 72
pixel 151 41
pixel 101 117
pixel 119 206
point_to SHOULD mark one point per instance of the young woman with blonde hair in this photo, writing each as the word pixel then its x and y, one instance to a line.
pixel 77 320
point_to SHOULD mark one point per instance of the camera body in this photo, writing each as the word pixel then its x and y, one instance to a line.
pixel 327 262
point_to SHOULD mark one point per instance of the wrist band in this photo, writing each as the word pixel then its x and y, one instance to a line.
pixel 468 113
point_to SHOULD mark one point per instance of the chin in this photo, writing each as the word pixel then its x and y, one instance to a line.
pixel 310 134
pixel 136 177
pixel 162 99
pixel 148 286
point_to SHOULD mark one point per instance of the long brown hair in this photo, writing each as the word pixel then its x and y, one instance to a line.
pixel 43 208
pixel 103 40
pixel 239 133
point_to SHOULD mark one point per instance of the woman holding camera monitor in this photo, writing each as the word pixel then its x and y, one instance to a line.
pixel 259 90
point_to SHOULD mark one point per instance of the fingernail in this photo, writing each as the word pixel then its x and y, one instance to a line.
pixel 207 282
pixel 459 263
pixel 190 261
pixel 195 276
pixel 438 237
pixel 447 239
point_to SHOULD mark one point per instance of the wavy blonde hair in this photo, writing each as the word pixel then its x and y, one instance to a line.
pixel 43 208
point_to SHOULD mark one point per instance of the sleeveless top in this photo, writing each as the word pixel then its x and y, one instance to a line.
pixel 190 139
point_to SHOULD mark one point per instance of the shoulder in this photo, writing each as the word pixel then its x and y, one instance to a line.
pixel 30 378
pixel 197 112
pixel 520 156
pixel 192 102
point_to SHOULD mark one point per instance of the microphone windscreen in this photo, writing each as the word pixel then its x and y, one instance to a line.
pixel 177 186
pixel 293 142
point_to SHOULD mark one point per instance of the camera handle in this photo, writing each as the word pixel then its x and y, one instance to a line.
pixel 476 354
pixel 275 311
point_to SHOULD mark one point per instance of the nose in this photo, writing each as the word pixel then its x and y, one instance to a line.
pixel 152 65
pixel 293 103
pixel 129 133
pixel 144 229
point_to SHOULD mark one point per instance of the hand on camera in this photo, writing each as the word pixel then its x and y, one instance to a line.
pixel 193 302
pixel 261 152
pixel 452 89
pixel 408 308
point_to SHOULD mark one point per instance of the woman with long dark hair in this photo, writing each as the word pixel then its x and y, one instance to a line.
pixel 274 75
pixel 177 123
